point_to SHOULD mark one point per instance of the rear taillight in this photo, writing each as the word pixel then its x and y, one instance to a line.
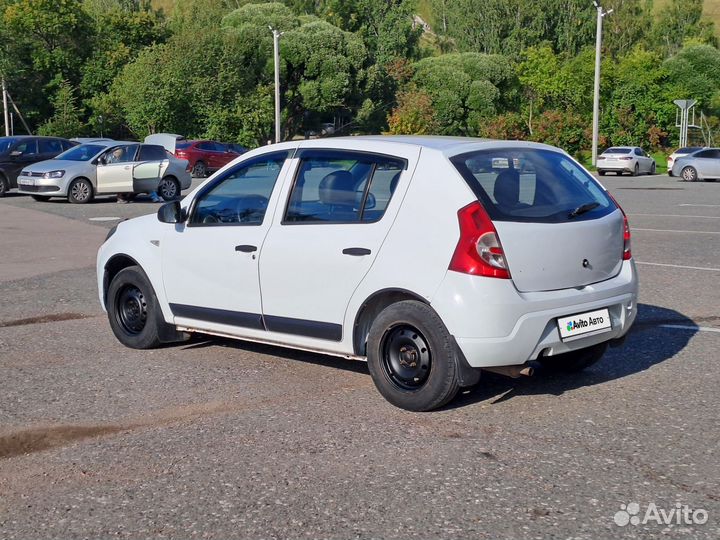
pixel 478 252
pixel 627 236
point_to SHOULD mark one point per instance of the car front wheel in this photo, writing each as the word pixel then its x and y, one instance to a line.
pixel 411 357
pixel 133 309
pixel 80 191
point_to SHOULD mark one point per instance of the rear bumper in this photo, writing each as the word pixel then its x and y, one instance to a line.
pixel 495 325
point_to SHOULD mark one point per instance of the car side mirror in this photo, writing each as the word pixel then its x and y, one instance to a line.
pixel 171 212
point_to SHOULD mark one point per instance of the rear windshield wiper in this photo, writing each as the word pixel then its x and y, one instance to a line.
pixel 582 209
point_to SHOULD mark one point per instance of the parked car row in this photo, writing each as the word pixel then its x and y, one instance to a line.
pixel 81 168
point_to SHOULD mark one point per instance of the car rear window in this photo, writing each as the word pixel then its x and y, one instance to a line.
pixel 181 145
pixel 532 185
pixel 617 151
pixel 688 149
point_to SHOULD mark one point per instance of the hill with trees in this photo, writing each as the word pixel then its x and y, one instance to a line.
pixel 493 68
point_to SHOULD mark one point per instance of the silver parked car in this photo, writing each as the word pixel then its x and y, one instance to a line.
pixel 106 168
pixel 703 164
pixel 680 152
pixel 625 159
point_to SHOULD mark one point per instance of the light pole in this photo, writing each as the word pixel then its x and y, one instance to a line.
pixel 596 95
pixel 276 57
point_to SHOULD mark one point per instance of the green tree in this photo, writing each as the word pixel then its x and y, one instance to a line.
pixel 66 120
pixel 414 114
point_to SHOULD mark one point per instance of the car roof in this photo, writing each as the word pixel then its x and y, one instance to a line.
pixel 449 146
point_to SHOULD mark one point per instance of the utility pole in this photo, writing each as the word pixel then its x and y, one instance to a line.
pixel 276 57
pixel 596 95
pixel 5 109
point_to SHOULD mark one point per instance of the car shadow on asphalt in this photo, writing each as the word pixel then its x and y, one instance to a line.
pixel 649 343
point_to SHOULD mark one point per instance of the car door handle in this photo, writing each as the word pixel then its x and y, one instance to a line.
pixel 246 248
pixel 356 251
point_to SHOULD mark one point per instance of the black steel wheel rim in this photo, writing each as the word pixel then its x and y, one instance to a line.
pixel 131 309
pixel 406 357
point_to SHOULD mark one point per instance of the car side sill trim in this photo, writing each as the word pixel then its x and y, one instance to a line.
pixel 256 321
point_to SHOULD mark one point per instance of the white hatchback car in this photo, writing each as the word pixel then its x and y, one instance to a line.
pixel 430 257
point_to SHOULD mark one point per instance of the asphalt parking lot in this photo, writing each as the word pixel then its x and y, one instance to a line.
pixel 221 439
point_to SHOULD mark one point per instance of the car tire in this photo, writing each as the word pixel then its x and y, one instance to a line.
pixel 412 358
pixel 40 198
pixel 80 191
pixel 670 173
pixel 4 185
pixel 601 173
pixel 169 188
pixel 636 170
pixel 133 310
pixel 199 170
pixel 689 174
pixel 574 361
pixel 653 169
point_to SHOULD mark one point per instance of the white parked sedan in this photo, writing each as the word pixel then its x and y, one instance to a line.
pixel 432 258
pixel 625 159
pixel 106 167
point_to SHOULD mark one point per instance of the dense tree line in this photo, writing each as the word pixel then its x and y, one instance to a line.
pixel 497 68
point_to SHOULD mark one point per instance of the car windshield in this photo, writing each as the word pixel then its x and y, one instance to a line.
pixel 84 152
pixel 532 185
pixel 6 143
pixel 617 151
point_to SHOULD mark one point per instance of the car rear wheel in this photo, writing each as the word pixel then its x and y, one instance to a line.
pixel 689 174
pixel 40 198
pixel 574 361
pixel 4 185
pixel 80 191
pixel 169 188
pixel 601 173
pixel 133 309
pixel 199 170
pixel 411 357
pixel 636 170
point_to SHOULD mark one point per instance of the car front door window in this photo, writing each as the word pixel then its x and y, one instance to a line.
pixel 241 196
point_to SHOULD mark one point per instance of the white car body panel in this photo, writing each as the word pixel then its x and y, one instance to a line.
pixel 300 273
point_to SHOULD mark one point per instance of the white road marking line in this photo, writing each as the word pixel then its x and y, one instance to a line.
pixel 676 215
pixel 688 327
pixel 103 218
pixel 674 231
pixel 680 266
pixel 702 205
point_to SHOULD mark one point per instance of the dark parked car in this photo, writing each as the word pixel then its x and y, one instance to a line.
pixel 206 156
pixel 21 151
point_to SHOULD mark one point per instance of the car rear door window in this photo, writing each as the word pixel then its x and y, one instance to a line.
pixel 241 195
pixel 342 187
pixel 532 185
pixel 151 152
pixel 50 146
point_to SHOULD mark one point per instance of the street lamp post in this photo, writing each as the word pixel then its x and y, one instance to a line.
pixel 276 57
pixel 596 95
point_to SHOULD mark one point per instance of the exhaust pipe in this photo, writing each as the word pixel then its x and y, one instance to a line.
pixel 514 372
